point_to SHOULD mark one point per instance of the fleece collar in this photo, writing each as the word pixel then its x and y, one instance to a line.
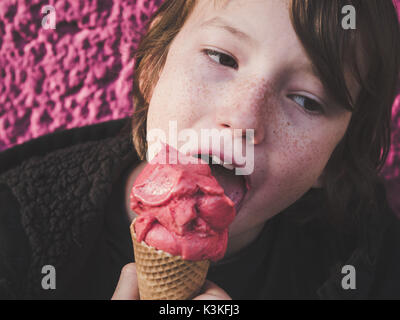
pixel 62 196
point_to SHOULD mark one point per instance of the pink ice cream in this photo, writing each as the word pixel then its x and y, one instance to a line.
pixel 181 208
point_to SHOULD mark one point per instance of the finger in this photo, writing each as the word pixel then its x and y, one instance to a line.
pixel 211 291
pixel 127 287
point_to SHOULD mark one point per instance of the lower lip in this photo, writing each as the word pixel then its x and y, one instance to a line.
pixel 248 187
pixel 239 206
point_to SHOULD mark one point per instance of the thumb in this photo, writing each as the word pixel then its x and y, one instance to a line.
pixel 211 291
pixel 127 287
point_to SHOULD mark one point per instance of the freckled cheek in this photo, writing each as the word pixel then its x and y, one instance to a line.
pixel 302 158
pixel 308 159
pixel 180 95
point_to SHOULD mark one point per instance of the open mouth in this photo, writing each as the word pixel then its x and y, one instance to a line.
pixel 234 186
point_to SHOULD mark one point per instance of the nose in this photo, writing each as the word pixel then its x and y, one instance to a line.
pixel 246 108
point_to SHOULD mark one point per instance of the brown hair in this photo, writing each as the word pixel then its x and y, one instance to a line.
pixel 352 171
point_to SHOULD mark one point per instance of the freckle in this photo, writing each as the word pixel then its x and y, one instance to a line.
pixel 288 124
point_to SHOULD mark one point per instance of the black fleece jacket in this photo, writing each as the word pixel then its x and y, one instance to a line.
pixel 62 204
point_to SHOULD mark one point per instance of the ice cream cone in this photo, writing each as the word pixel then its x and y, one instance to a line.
pixel 162 276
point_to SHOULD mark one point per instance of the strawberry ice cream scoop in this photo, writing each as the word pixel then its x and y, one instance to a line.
pixel 181 208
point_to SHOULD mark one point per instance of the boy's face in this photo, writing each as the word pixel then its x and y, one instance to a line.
pixel 263 81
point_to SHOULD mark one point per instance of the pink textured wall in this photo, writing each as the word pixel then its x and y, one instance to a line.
pixel 78 74
pixel 81 72
pixel 391 171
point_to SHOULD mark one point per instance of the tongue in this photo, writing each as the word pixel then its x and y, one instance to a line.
pixel 233 185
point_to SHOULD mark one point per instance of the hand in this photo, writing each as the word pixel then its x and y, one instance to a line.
pixel 127 287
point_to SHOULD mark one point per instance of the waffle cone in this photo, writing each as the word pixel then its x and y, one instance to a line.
pixel 162 276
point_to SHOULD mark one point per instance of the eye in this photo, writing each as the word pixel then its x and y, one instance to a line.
pixel 310 105
pixel 221 58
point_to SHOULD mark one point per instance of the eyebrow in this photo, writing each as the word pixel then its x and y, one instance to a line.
pixel 309 68
pixel 218 22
